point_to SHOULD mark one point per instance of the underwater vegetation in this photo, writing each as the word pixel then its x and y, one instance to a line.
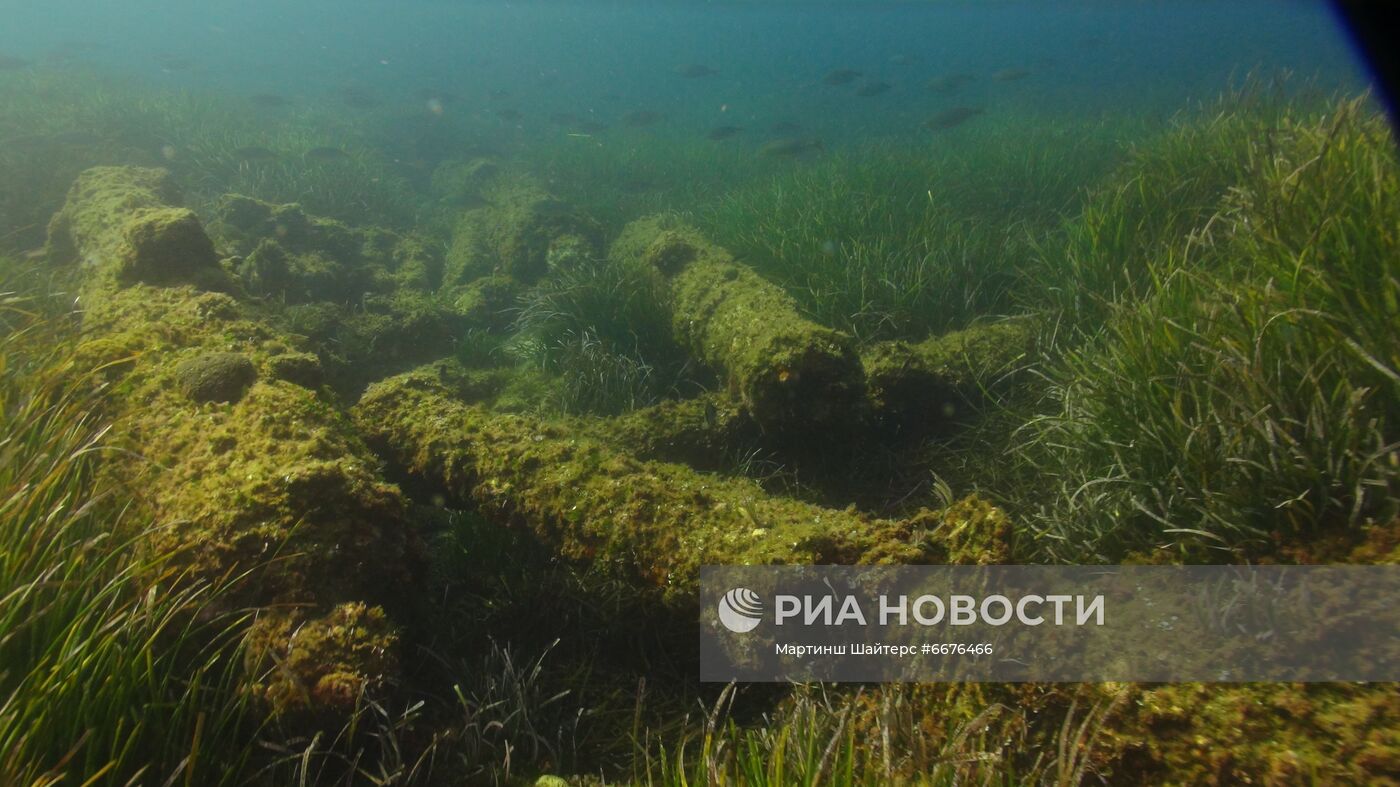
pixel 333 455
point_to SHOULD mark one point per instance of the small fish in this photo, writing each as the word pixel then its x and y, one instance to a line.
pixel 841 76
pixel 509 115
pixel 723 132
pixel 254 154
pixel 951 117
pixel 326 155
pixel 10 63
pixel 873 89
pixel 947 83
pixel 1010 74
pixel 785 127
pixel 642 117
pixel 903 60
pixel 269 100
pixel 695 71
pixel 789 148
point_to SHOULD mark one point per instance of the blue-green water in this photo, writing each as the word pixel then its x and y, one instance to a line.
pixel 601 60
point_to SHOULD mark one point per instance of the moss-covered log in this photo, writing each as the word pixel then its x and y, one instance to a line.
pixel 661 521
pixel 248 475
pixel 518 229
pixel 918 388
pixel 793 375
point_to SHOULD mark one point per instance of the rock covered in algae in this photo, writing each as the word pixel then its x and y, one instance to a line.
pixel 918 387
pixel 215 376
pixel 518 229
pixel 327 664
pixel 793 375
pixel 270 486
pixel 120 223
pixel 658 520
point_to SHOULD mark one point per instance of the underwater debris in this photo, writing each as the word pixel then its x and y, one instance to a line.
pixel 120 224
pixel 790 148
pixel 919 388
pixel 951 118
pixel 870 89
pixel 215 376
pixel 703 432
pixel 793 375
pixel 521 231
pixel 660 521
pixel 841 76
pixel 695 71
pixel 264 481
pixel 723 132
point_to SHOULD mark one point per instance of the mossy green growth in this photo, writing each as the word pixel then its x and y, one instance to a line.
pixel 322 665
pixel 793 375
pixel 919 387
pixel 121 225
pixel 1262 733
pixel 655 520
pixel 215 376
pixel 705 431
pixel 518 230
pixel 461 183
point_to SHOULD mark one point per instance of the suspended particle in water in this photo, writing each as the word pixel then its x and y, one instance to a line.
pixel 435 106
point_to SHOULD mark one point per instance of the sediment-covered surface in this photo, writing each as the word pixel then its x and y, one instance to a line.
pixel 792 374
pixel 658 520
pixel 249 470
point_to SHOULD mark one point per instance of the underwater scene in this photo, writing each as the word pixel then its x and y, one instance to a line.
pixel 376 377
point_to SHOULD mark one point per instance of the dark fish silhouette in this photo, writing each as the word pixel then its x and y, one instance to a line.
pixel 695 71
pixel 951 117
pixel 785 127
pixel 1010 74
pixel 252 154
pixel 948 82
pixel 326 155
pixel 788 148
pixel 723 132
pixel 873 89
pixel 268 100
pixel 642 117
pixel 841 76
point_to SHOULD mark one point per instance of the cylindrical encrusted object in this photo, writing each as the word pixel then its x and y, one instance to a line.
pixel 793 375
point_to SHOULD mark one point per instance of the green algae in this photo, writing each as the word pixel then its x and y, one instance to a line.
pixel 519 230
pixel 655 520
pixel 256 478
pixel 792 375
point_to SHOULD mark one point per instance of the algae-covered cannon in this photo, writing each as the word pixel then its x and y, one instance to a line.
pixel 246 474
pixel 795 377
pixel 661 521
